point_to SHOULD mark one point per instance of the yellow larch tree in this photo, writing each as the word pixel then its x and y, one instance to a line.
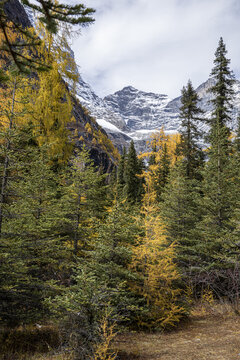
pixel 154 259
pixel 50 105
pixel 157 143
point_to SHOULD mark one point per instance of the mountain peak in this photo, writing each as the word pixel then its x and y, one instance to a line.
pixel 129 88
pixel 125 90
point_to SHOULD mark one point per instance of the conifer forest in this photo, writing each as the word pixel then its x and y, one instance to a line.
pixel 95 243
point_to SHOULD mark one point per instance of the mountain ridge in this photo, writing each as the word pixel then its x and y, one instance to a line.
pixel 135 114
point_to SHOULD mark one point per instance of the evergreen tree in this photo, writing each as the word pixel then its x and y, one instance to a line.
pixel 52 13
pixel 217 172
pixel 83 200
pixel 152 158
pixel 162 172
pixel 121 172
pixel 190 134
pixel 237 138
pixel 181 213
pixel 112 256
pixel 31 238
pixel 219 184
pixel 141 169
pixel 13 103
pixel 7 119
pixel 222 89
pixel 232 232
pixel 133 188
pixel 101 281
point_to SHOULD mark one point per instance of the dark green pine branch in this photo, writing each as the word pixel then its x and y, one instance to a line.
pixel 51 15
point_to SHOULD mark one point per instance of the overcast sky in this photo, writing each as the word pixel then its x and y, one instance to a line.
pixel 156 45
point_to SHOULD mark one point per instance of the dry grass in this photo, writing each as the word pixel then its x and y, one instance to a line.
pixel 212 333
pixel 29 356
pixel 63 356
pixel 20 343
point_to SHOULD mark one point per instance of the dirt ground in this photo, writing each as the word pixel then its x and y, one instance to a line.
pixel 201 338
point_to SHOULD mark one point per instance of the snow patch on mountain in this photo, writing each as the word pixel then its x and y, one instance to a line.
pixel 107 125
pixel 98 107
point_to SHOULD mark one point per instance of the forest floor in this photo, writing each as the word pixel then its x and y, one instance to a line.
pixel 210 333
pixel 203 337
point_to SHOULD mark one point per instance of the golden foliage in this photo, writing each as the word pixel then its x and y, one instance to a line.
pixel 50 111
pixel 154 260
pixel 101 139
pixel 207 297
pixel 108 334
pixel 88 128
pixel 158 140
pixel 12 37
pixel 161 158
pixel 13 101
pixel 49 105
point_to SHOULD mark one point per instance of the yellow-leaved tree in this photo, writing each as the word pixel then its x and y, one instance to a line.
pixel 161 157
pixel 154 259
pixel 50 105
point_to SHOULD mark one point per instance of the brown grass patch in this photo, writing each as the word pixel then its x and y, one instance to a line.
pixel 209 334
pixel 19 343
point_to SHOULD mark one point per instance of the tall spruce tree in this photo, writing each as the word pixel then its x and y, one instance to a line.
pixel 237 138
pixel 180 213
pixel 235 171
pixel 121 173
pixel 222 90
pixel 133 187
pixel 219 182
pixel 83 200
pixel 190 133
pixel 217 172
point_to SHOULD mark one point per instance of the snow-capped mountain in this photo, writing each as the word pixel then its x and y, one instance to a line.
pixel 134 114
pixel 143 112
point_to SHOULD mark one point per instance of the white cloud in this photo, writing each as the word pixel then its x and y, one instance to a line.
pixel 155 45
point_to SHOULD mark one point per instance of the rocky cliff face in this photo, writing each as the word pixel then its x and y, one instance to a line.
pixel 139 109
pixel 16 12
